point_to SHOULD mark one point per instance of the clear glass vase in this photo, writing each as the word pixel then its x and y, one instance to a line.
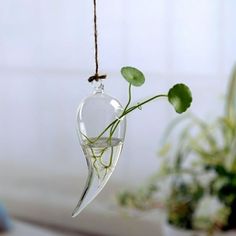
pixel 101 130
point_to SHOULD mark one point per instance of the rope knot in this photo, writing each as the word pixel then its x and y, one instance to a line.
pixel 96 77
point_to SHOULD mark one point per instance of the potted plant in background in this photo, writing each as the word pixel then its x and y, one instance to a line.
pixel 196 183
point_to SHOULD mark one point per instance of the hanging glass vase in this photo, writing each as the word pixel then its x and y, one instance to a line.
pixel 101 130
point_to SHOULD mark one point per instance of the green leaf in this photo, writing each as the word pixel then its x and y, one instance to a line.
pixel 133 76
pixel 180 97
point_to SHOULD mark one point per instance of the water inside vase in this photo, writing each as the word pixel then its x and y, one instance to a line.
pixel 102 134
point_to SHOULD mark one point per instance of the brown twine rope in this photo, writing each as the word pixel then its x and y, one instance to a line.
pixel 96 76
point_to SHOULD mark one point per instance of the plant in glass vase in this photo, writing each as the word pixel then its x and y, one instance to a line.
pixel 102 141
pixel 196 182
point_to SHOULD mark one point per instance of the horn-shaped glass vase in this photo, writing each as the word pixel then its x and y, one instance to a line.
pixel 101 129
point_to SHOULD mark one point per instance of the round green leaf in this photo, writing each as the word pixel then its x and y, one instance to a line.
pixel 180 97
pixel 133 76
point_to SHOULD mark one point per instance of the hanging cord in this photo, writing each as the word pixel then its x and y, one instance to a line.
pixel 96 76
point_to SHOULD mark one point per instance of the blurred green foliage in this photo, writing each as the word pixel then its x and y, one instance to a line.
pixel 199 168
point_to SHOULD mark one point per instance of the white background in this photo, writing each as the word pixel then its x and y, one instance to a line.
pixel 46 56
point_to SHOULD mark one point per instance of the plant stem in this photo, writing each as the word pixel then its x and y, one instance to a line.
pixel 127 111
pixel 113 126
pixel 143 103
pixel 129 100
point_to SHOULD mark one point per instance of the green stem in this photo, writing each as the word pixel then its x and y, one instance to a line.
pixel 127 112
pixel 111 158
pixel 113 126
pixel 142 103
pixel 132 109
pixel 129 100
pixel 104 131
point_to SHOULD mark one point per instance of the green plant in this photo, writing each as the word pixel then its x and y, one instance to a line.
pixel 201 171
pixel 179 96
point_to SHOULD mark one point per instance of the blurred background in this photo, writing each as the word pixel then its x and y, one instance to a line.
pixel 46 56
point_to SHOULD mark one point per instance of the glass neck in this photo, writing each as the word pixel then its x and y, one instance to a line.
pixel 98 86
